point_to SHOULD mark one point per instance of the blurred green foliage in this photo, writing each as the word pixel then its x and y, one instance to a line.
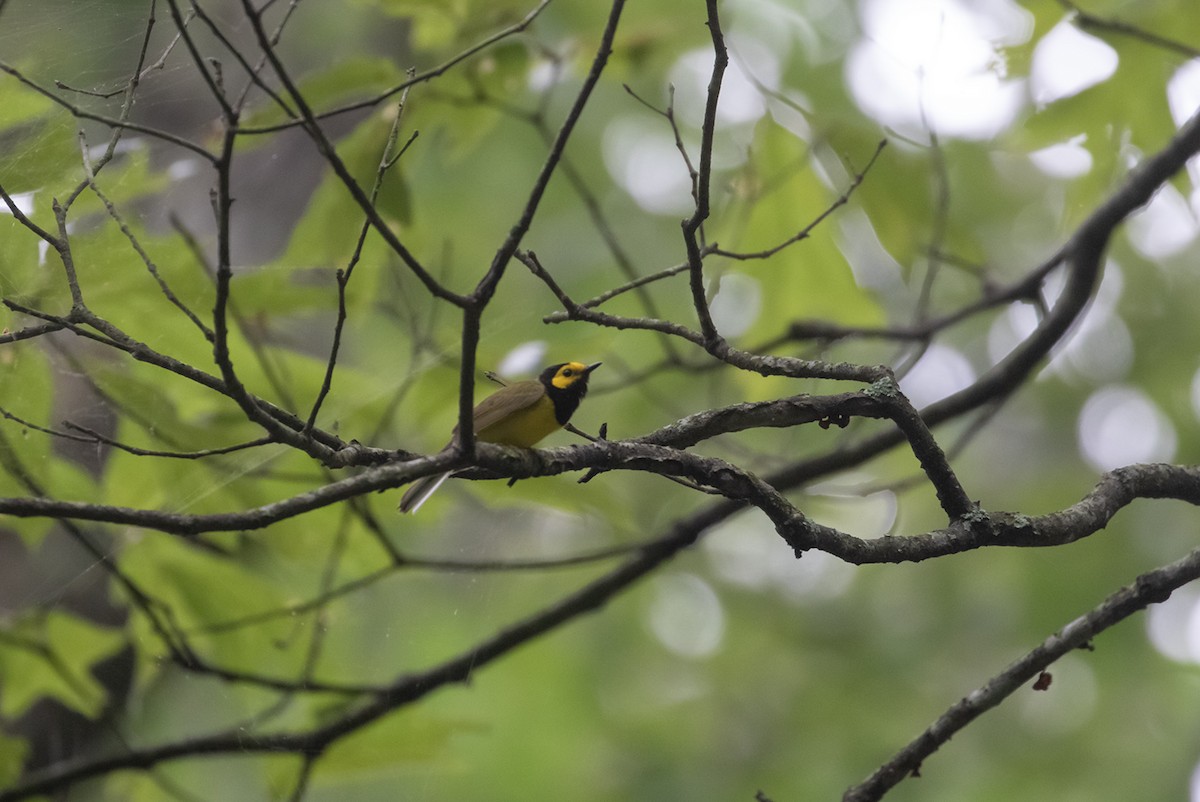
pixel 817 672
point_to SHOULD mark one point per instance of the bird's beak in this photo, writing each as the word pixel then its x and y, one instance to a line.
pixel 591 367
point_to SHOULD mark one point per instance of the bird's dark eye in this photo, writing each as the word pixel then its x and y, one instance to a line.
pixel 568 372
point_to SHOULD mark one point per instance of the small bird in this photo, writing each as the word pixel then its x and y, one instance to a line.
pixel 519 414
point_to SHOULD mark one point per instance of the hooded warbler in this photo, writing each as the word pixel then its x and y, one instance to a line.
pixel 519 414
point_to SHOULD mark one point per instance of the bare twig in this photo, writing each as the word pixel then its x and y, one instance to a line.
pixel 804 232
pixel 313 127
pixel 693 226
pixel 1089 21
pixel 418 78
pixel 1149 588
pixel 136 244
pixel 391 154
pixel 112 122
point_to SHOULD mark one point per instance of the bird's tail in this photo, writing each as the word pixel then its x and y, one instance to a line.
pixel 421 489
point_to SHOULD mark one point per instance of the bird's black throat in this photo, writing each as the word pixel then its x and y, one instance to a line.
pixel 566 399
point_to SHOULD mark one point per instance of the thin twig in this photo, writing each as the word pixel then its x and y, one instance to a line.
pixel 1087 20
pixel 1149 588
pixel 386 161
pixel 325 146
pixel 252 72
pixel 807 230
pixel 136 244
pixel 112 122
pixel 95 437
pixel 420 77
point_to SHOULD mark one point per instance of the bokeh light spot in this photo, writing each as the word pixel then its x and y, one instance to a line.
pixel 1067 61
pixel 941 371
pixel 686 616
pixel 1122 426
pixel 934 64
pixel 737 304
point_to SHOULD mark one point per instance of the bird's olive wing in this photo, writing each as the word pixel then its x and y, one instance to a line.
pixel 504 402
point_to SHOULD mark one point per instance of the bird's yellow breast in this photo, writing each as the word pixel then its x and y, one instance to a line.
pixel 524 427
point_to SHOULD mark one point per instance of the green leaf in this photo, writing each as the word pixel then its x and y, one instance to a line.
pixel 810 277
pixel 441 24
pixel 22 105
pixel 23 272
pixel 406 738
pixel 50 656
pixel 13 754
pixel 350 79
pixel 326 236
pixel 435 24
pixel 37 154
pixel 185 579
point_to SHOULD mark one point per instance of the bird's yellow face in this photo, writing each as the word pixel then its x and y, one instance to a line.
pixel 570 373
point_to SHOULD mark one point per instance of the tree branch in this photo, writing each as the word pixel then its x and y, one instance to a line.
pixel 1149 588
